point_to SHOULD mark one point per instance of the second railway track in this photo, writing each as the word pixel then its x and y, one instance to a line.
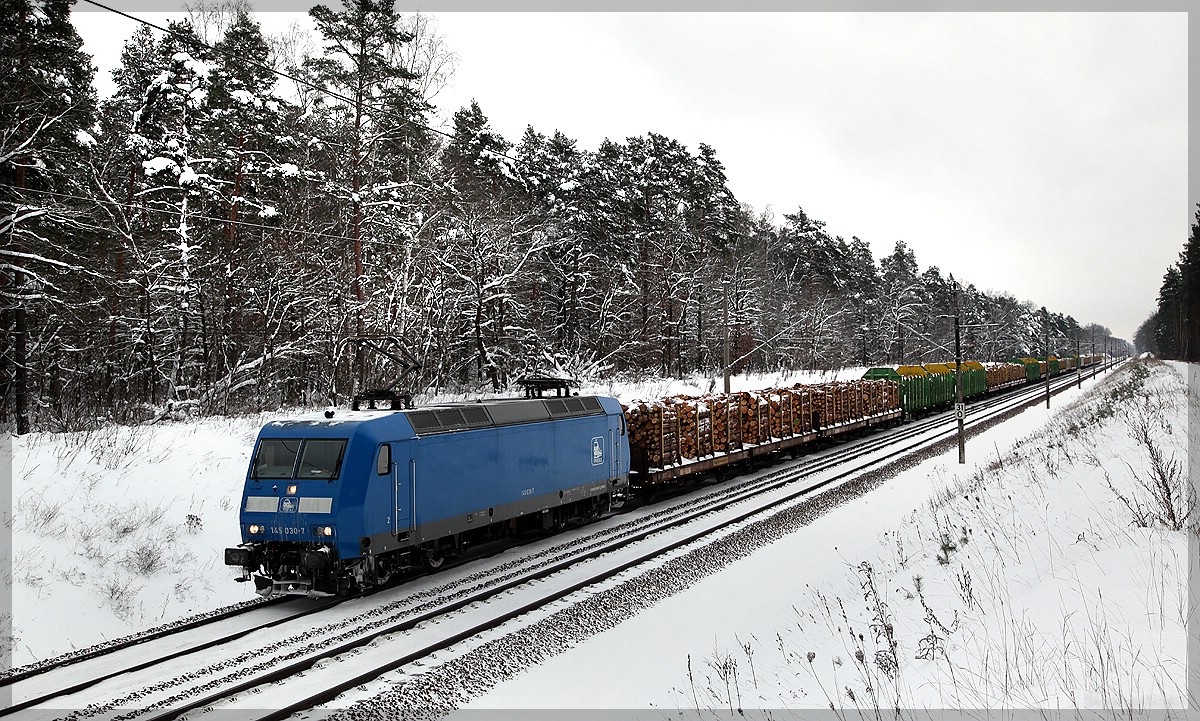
pixel 296 664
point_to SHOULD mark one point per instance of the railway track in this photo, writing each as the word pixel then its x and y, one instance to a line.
pixel 291 664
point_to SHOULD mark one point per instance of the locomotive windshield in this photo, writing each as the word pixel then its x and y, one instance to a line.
pixel 319 458
pixel 276 458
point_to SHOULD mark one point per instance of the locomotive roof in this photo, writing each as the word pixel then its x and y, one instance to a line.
pixel 448 417
pixel 499 412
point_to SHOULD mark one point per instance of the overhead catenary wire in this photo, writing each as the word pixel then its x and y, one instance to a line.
pixel 279 73
pixel 175 212
pixel 301 81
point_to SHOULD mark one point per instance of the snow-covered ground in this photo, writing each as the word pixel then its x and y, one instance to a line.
pixel 122 529
pixel 1040 575
pixel 1019 580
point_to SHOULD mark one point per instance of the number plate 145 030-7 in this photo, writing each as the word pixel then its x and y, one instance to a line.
pixel 285 531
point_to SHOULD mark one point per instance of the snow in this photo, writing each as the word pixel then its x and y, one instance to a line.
pixel 1054 601
pixel 157 165
pixel 289 170
pixel 188 176
pixel 1066 603
pixel 244 97
pixel 37 11
pixel 84 138
pixel 198 68
pixel 135 540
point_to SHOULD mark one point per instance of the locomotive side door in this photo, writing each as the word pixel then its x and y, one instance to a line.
pixel 615 440
pixel 403 469
pixel 614 444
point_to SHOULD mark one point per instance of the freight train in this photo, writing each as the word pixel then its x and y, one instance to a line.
pixel 340 502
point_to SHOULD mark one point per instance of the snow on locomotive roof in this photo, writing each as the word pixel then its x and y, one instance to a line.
pixel 318 418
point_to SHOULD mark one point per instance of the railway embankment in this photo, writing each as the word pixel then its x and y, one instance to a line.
pixel 1053 576
pixel 1046 573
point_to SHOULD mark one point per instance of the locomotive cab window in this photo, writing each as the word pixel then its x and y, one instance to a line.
pixel 276 458
pixel 383 464
pixel 322 458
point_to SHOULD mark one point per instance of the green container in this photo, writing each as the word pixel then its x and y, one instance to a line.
pixel 942 379
pixel 923 392
pixel 1033 370
pixel 915 393
pixel 974 379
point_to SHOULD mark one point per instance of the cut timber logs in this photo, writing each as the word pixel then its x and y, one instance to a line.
pixel 683 429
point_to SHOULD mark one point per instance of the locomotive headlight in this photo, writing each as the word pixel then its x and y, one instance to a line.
pixel 255 529
pixel 291 490
pixel 326 531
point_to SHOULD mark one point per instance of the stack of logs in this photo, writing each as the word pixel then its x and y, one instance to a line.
pixel 998 373
pixel 675 430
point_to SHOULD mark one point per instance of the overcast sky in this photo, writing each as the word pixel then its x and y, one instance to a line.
pixel 1040 154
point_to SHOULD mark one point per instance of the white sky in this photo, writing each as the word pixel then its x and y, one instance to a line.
pixel 1042 154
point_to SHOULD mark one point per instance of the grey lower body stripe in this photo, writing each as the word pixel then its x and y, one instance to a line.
pixel 384 542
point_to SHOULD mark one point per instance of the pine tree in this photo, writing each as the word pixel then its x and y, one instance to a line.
pixel 169 131
pixel 901 303
pixel 46 108
pixel 862 287
pixel 476 160
pixel 371 132
pixel 1168 332
pixel 115 176
pixel 1189 294
pixel 253 149
pixel 551 172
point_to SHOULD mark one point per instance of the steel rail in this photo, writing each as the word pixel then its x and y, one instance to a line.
pixel 778 479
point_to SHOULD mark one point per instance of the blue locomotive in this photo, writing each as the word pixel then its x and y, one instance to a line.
pixel 337 504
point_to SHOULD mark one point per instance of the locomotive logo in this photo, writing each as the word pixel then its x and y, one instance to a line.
pixel 597 451
pixel 288 505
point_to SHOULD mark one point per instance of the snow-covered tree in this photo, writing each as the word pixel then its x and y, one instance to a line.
pixel 901 305
pixel 46 110
pixel 169 131
pixel 369 126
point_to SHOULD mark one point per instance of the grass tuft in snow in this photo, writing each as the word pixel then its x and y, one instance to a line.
pixel 135 537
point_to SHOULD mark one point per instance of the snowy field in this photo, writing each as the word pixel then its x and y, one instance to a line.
pixel 1043 575
pixel 122 529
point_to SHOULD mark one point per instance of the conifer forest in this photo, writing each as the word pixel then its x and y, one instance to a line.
pixel 205 239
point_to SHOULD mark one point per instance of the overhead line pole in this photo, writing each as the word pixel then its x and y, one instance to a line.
pixel 725 343
pixel 959 408
pixel 1094 364
pixel 1046 331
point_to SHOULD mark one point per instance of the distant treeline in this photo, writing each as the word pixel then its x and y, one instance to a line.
pixel 204 239
pixel 1173 331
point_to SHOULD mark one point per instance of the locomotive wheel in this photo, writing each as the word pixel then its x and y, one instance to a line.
pixel 433 558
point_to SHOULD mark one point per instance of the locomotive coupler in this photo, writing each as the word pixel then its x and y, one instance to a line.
pixel 263 586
